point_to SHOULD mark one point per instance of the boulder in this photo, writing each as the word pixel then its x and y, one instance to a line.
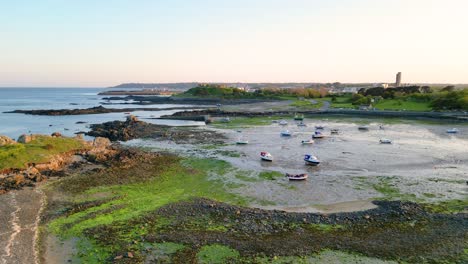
pixel 56 134
pixel 101 143
pixel 4 140
pixel 26 138
pixel 132 118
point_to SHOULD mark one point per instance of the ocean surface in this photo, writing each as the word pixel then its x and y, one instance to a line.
pixel 13 125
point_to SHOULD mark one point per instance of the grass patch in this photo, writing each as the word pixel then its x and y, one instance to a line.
pixel 228 153
pixel 385 186
pixel 37 151
pixel 216 253
pixel 243 177
pixel 305 104
pixel 242 122
pixel 407 105
pixel 325 227
pixel 270 175
pixel 449 206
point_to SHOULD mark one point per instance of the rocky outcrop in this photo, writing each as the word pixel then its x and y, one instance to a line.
pixel 92 110
pixel 26 138
pixel 132 128
pixel 56 134
pixel 4 140
pixel 11 179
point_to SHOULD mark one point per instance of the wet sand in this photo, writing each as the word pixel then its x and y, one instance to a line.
pixel 19 220
pixel 423 159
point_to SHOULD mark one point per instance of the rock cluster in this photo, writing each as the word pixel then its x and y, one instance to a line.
pixel 98 150
pixel 4 140
pixel 18 179
pixel 133 128
pixel 26 138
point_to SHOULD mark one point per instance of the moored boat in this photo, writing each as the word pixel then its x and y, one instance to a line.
pixel 283 122
pixel 318 134
pixel 363 127
pixel 307 142
pixel 385 141
pixel 225 120
pixel 297 177
pixel 285 133
pixel 242 141
pixel 266 156
pixel 301 124
pixel 452 131
pixel 311 160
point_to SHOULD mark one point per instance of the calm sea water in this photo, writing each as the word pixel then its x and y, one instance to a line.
pixel 13 125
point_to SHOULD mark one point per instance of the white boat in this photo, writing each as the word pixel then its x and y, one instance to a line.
pixel 297 177
pixel 363 127
pixel 385 141
pixel 225 120
pixel 285 133
pixel 319 127
pixel 283 122
pixel 307 142
pixel 311 160
pixel 241 141
pixel 266 156
pixel 318 134
pixel 452 131
pixel 301 124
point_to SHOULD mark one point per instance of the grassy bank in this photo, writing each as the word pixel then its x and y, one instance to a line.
pixel 404 105
pixel 39 150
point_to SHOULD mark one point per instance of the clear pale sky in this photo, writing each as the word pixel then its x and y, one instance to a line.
pixel 100 43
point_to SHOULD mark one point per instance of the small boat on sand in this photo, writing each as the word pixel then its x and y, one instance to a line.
pixel 301 124
pixel 241 141
pixel 319 127
pixel 297 177
pixel 283 122
pixel 334 131
pixel 307 142
pixel 225 120
pixel 318 134
pixel 266 156
pixel 363 127
pixel 311 160
pixel 452 131
pixel 285 133
pixel 298 117
pixel 385 141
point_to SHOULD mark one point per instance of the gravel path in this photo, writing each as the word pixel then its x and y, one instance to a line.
pixel 19 219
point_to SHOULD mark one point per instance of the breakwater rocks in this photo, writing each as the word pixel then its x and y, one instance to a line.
pixel 92 110
pixel 133 128
pixel 395 230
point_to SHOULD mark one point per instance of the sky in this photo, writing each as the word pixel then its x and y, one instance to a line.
pixel 97 43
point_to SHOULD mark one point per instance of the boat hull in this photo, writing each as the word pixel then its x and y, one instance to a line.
pixel 312 163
